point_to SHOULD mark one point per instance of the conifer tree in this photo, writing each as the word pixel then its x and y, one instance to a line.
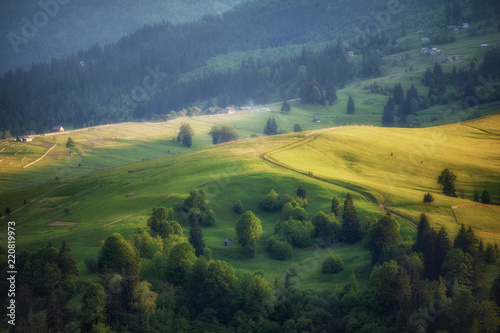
pixel 301 192
pixel 447 180
pixel 350 222
pixel 56 312
pixel 350 105
pixel 271 127
pixel 335 208
pixel 485 197
pixel 66 262
pixel 195 235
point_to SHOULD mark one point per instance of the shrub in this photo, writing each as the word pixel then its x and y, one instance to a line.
pixel 238 207
pixel 91 264
pixel 279 249
pixel 333 264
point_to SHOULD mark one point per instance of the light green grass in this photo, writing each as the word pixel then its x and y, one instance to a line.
pixel 363 156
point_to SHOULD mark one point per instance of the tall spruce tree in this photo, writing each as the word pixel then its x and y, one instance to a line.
pixel 387 116
pixel 195 235
pixel 350 223
pixel 66 262
pixel 271 127
pixel 350 105
pixel 56 312
pixel 335 208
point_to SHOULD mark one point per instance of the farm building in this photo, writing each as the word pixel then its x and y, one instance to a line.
pixel 25 138
pixel 316 120
pixel 57 129
pixel 228 242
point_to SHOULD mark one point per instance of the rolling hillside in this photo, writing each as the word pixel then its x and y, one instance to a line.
pixel 327 162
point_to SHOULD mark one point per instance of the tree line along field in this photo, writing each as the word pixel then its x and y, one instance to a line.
pixel 327 163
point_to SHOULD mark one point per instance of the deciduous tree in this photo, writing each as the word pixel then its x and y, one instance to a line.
pixel 248 231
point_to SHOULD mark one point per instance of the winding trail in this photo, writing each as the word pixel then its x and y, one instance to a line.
pixel 267 157
pixel 48 151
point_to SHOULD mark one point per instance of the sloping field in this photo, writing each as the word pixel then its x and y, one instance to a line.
pixel 403 164
pixel 384 168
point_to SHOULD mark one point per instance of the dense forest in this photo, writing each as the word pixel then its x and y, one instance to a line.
pixel 146 74
pixel 159 280
pixel 77 24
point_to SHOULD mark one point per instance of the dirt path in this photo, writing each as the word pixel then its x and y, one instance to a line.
pixel 48 151
pixel 267 157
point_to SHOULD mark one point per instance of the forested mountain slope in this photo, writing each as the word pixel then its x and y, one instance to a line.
pixel 143 75
pixel 80 23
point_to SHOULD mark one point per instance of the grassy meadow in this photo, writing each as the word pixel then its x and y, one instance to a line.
pixel 116 173
pixel 327 163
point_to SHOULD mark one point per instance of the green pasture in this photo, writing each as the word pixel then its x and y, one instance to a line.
pixel 403 165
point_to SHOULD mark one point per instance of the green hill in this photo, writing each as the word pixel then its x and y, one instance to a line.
pixel 329 162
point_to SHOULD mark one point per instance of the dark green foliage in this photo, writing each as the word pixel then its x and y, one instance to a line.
pixel 383 282
pixel 285 107
pixel 248 230
pixel 335 207
pixel 433 245
pixel 238 207
pixel 301 192
pixel 457 267
pixel 278 248
pixel 350 105
pixel 293 210
pixel 332 265
pixel 115 253
pixel 467 241
pixel 57 314
pixel 206 216
pixel 66 263
pixel 70 143
pixel 271 127
pixel 91 264
pixel 447 180
pixel 185 135
pixel 93 306
pixel 381 234
pixel 495 291
pixel 270 202
pixel 428 198
pixel 7 210
pixel 398 94
pixel 145 244
pixel 490 254
pixel 161 224
pixel 350 223
pixel 180 260
pixel 323 227
pixel 197 198
pixel 475 196
pixel 485 197
pixel 223 134
pixel 387 116
pixel 295 232
pixel 297 128
pixel 196 235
